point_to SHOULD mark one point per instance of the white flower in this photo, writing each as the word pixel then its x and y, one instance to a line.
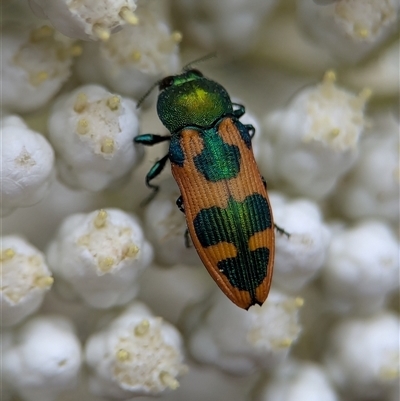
pixel 86 20
pixel 372 187
pixel 297 381
pixel 35 62
pixel 350 28
pixel 380 73
pixel 136 57
pixel 166 225
pixel 239 341
pixel 92 131
pixel 27 162
pixel 169 291
pixel 42 359
pixel 308 146
pixel 363 356
pixel 136 354
pixel 230 26
pixel 362 267
pixel 25 278
pixel 299 257
pixel 100 255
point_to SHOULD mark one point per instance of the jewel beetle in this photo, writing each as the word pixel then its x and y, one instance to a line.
pixel 223 194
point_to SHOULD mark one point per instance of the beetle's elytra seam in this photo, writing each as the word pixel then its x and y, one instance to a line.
pixel 236 225
pixel 218 160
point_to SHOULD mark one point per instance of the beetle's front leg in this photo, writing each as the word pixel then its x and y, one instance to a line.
pixel 239 111
pixel 151 139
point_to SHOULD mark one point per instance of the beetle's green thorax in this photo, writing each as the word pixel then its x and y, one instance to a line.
pixel 192 100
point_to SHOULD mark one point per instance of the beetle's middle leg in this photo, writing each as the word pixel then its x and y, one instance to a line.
pixel 153 173
pixel 277 228
pixel 179 203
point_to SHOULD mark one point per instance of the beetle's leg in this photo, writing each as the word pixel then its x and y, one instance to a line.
pixel 151 139
pixel 188 243
pixel 281 231
pixel 251 130
pixel 179 203
pixel 264 182
pixel 153 173
pixel 277 228
pixel 239 111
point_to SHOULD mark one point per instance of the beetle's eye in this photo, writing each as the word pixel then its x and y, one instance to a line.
pixel 166 82
pixel 196 72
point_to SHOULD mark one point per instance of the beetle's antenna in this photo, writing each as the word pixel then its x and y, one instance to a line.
pixel 199 60
pixel 185 68
pixel 142 99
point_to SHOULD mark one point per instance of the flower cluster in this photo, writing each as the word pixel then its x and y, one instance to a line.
pixel 101 297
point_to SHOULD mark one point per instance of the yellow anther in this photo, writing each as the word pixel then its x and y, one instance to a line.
pixel 82 127
pixel 38 78
pixel 329 76
pixel 106 263
pixel 44 282
pixel 7 254
pixel 168 380
pixel 142 328
pixel 334 132
pixel 81 102
pixel 176 36
pixel 113 102
pixel 123 355
pixel 131 251
pixel 101 32
pixel 108 145
pixel 101 219
pixel 76 50
pixel 41 33
pixel 136 55
pixel 128 15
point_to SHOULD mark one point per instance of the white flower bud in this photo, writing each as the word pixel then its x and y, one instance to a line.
pixel 166 227
pixel 230 26
pixel 132 60
pixel 27 165
pixel 299 257
pixel 239 341
pixel 35 62
pixel 297 381
pixel 308 146
pixel 363 356
pixel 92 130
pixel 25 278
pixel 371 189
pixel 136 354
pixel 88 20
pixel 100 255
pixel 362 268
pixel 43 359
pixel 350 29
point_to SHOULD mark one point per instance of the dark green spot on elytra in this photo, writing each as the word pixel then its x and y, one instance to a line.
pixel 176 154
pixel 218 159
pixel 236 224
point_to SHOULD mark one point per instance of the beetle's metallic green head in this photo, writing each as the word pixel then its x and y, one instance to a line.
pixel 190 99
